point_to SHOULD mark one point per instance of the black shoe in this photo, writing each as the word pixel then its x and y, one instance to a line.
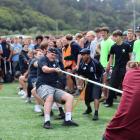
pixel 108 105
pixel 88 111
pixel 47 125
pixel 51 113
pixel 61 117
pixel 95 118
pixel 42 114
pixel 69 123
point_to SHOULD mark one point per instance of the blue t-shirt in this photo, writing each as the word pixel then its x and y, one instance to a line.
pixel 1 48
pixel 18 49
pixel 31 47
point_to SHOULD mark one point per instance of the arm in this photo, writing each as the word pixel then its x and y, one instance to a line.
pixel 46 69
pixel 78 60
pixel 98 49
pixel 110 62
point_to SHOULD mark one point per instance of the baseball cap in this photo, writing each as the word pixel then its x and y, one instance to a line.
pixel 52 50
pixel 85 51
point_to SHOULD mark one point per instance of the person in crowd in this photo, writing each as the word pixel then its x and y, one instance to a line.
pixel 121 51
pixel 16 50
pixel 23 64
pixel 71 59
pixel 38 40
pixel 47 88
pixel 91 35
pixel 103 49
pixel 130 40
pixel 91 68
pixel 125 123
pixel 136 48
pixel 6 54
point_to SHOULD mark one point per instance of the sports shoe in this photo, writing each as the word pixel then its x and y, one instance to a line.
pixel 37 109
pixel 21 92
pixel 60 117
pixel 95 118
pixel 47 125
pixel 28 100
pixel 88 111
pixel 108 105
pixel 69 123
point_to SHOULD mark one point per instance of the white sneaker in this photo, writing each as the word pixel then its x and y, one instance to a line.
pixel 24 96
pixel 21 92
pixel 37 109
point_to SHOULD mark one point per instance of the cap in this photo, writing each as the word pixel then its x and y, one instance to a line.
pixel 117 33
pixel 137 29
pixel 52 50
pixel 85 51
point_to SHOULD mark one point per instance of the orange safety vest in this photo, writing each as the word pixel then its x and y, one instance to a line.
pixel 67 61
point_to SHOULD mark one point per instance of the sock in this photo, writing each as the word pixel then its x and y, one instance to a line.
pixel 47 117
pixel 96 112
pixel 61 110
pixel 67 116
pixel 20 89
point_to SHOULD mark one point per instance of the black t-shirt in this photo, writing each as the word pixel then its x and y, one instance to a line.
pixel 32 69
pixel 131 43
pixel 93 70
pixel 75 50
pixel 37 46
pixel 50 79
pixel 23 60
pixel 121 53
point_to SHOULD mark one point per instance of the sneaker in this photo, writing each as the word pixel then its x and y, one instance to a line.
pixel 47 125
pixel 95 118
pixel 61 117
pixel 70 123
pixel 24 96
pixel 88 111
pixel 37 109
pixel 21 92
pixel 108 105
pixel 28 100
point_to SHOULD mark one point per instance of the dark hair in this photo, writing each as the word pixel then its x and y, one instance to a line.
pixel 106 29
pixel 69 37
pixel 39 37
pixel 97 30
pixel 117 33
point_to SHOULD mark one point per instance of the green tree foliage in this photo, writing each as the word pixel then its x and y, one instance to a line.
pixel 53 15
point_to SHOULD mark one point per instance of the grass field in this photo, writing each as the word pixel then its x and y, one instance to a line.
pixel 18 121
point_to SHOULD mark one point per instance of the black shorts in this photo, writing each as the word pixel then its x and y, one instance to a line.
pixel 92 92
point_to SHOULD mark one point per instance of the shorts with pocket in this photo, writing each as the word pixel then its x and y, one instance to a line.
pixel 45 90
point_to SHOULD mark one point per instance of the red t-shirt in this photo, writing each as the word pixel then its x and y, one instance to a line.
pixel 125 125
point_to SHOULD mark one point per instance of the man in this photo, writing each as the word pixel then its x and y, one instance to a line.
pixel 71 59
pixel 91 69
pixel 125 123
pixel 48 76
pixel 121 51
pixel 103 49
pixel 136 48
pixel 16 50
pixel 130 38
pixel 93 43
pixel 38 39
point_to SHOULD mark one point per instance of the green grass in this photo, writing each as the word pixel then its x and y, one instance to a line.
pixel 19 122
